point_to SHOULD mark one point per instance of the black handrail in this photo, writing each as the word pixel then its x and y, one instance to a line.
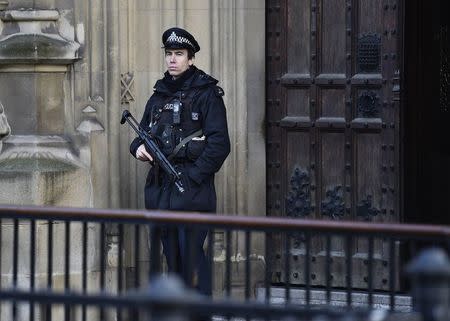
pixel 212 220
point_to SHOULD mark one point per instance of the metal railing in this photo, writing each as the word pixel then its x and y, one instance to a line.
pixel 67 256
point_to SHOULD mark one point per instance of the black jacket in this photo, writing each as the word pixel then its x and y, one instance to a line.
pixel 199 159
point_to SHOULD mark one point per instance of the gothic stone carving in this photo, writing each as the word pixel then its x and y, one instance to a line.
pixel 34 36
pixel 126 82
pixel 4 126
pixel 90 123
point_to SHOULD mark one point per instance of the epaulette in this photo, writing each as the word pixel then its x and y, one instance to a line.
pixel 219 91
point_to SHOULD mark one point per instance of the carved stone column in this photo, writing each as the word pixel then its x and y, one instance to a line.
pixel 238 58
pixel 46 159
pixel 36 46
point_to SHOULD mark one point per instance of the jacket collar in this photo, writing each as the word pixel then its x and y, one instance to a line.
pixel 196 79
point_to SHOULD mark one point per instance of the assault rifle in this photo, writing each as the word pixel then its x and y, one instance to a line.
pixel 153 149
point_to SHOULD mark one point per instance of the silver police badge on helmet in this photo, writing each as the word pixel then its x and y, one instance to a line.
pixel 174 38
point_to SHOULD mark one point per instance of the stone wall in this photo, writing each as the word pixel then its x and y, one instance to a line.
pixel 68 69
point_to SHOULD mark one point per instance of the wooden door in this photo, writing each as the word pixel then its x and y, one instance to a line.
pixel 333 105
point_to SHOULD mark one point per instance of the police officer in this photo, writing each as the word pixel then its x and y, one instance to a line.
pixel 186 114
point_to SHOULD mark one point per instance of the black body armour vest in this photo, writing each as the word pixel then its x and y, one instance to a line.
pixel 174 119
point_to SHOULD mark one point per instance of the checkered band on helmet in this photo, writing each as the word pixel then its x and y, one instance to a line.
pixel 174 38
pixel 179 38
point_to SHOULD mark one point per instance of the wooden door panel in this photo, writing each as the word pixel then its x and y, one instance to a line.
pixel 297 102
pixel 332 183
pixel 371 15
pixel 332 44
pixel 299 200
pixel 332 102
pixel 368 182
pixel 298 51
pixel 332 124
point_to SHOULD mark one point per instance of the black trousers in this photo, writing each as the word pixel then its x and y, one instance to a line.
pixel 185 256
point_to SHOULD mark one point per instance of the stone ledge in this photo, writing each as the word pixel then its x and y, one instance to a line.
pixel 37 48
pixel 29 15
pixel 28 68
pixel 29 153
pixel 3 4
pixel 31 36
pixel 403 303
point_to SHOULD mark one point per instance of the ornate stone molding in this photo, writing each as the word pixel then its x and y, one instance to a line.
pixel 3 4
pixel 126 83
pixel 5 130
pixel 29 153
pixel 90 122
pixel 36 37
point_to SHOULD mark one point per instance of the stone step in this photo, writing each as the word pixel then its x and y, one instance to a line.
pixel 403 303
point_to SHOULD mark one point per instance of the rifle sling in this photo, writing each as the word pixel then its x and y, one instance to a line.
pixel 183 142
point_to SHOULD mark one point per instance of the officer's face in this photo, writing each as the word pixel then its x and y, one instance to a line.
pixel 177 61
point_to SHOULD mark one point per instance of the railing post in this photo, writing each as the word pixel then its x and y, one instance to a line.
pixel 155 250
pixel 430 279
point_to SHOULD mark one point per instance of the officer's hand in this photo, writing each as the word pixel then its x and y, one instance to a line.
pixel 142 154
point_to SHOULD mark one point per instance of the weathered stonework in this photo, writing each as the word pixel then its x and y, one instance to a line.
pixel 37 36
pixel 69 69
pixel 43 170
pixel 44 160
pixel 4 126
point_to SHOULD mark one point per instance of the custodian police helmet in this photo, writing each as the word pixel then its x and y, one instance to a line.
pixel 177 38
